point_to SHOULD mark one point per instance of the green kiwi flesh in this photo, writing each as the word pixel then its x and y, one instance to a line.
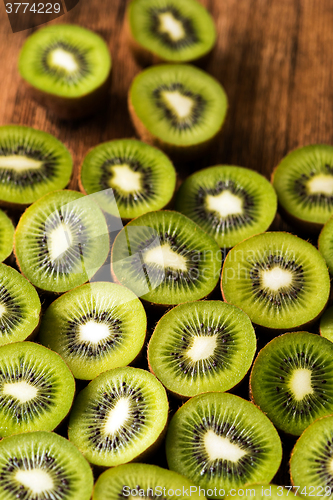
pixel 325 244
pixel 326 324
pixel 67 68
pixel 94 328
pixel 120 415
pixel 292 380
pixel 133 177
pixel 36 388
pixel 32 164
pixel 143 480
pixel 230 203
pixel 6 236
pixel 220 442
pixel 61 241
pixel 165 258
pixel 202 346
pixel 171 31
pixel 304 184
pixel 42 466
pixel 311 460
pixel 178 108
pixel 20 307
pixel 262 490
pixel 278 279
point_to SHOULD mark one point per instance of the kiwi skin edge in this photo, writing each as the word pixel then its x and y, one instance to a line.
pixel 69 108
pixel 146 58
pixel 174 151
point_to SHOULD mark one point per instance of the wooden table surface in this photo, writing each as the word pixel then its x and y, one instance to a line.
pixel 274 58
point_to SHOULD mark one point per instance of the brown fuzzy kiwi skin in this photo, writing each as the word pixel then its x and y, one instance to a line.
pixel 301 226
pixel 69 108
pixel 146 58
pixel 181 153
pixel 265 330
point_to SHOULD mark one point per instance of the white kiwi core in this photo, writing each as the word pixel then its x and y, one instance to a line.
pixel 2 310
pixel 171 26
pixel 224 203
pixel 125 179
pixel 63 59
pixel 202 347
pixel 59 240
pixel 276 278
pixel 181 105
pixel 300 383
pixel 219 447
pixel 165 257
pixel 93 332
pixel 22 391
pixel 320 184
pixel 117 416
pixel 19 163
pixel 37 480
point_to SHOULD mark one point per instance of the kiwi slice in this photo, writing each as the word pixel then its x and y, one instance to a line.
pixel 278 279
pixel 36 388
pixel 178 108
pixel 169 30
pixel 311 460
pixel 43 466
pixel 326 324
pixel 229 203
pixel 202 346
pixel 261 490
pixel 292 380
pixel 133 178
pixel 325 244
pixel 67 69
pixel 32 164
pixel 95 327
pixel 61 241
pixel 220 442
pixel 143 480
pixel 165 258
pixel 118 416
pixel 20 307
pixel 304 185
pixel 6 236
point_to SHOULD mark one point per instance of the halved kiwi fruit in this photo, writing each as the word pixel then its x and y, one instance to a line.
pixel 325 243
pixel 229 203
pixel 32 164
pixel 292 380
pixel 165 258
pixel 20 307
pixel 119 416
pixel 278 279
pixel 6 236
pixel 260 490
pixel 304 184
pixel 36 388
pixel 202 346
pixel 178 108
pixel 95 327
pixel 61 241
pixel 131 177
pixel 67 69
pixel 220 441
pixel 169 30
pixel 43 466
pixel 326 324
pixel 142 480
pixel 311 460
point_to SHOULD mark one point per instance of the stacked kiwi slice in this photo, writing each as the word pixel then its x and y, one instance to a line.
pixel 67 69
pixel 169 30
